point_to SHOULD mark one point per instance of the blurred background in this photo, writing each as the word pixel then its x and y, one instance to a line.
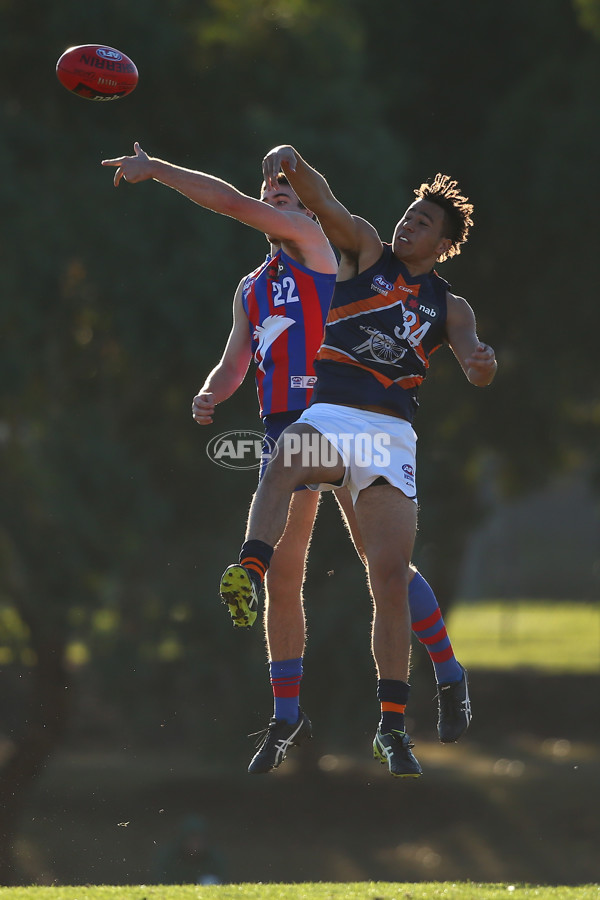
pixel 125 695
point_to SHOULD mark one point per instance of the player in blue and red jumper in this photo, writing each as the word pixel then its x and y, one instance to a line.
pixel 389 312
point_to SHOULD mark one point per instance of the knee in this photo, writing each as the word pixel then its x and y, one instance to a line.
pixel 389 578
pixel 280 595
pixel 283 586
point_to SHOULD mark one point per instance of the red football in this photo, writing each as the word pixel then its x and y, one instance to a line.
pixel 97 72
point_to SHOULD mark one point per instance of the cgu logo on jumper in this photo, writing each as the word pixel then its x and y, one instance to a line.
pixel 241 449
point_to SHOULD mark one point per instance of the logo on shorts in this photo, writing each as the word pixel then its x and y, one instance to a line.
pixel 241 449
pixel 409 472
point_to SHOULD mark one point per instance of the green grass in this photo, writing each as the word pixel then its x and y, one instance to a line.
pixel 545 635
pixel 374 890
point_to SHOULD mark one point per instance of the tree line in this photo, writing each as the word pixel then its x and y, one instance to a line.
pixel 115 304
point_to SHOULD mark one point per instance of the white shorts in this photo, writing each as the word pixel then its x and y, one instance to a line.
pixel 371 444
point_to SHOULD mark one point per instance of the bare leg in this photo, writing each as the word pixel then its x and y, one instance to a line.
pixel 387 520
pixel 348 514
pixel 344 501
pixel 284 611
pixel 269 509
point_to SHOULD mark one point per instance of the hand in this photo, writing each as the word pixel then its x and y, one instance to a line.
pixel 271 164
pixel 482 361
pixel 131 168
pixel 203 408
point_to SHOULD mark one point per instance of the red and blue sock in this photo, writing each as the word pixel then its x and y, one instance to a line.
pixel 286 675
pixel 393 697
pixel 428 625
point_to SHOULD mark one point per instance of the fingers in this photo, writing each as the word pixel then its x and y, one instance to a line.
pixel 203 409
pixel 272 164
pixel 121 161
pixel 269 178
pixel 483 357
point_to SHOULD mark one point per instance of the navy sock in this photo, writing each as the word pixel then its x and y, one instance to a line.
pixel 255 556
pixel 393 696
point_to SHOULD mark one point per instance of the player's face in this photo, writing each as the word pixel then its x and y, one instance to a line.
pixel 419 235
pixel 283 197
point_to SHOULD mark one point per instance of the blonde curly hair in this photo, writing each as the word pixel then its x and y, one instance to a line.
pixel 445 192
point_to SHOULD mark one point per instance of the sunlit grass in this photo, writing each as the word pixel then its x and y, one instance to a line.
pixel 374 890
pixel 556 636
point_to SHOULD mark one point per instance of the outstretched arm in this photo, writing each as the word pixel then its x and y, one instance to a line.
pixel 215 194
pixel 355 238
pixel 228 374
pixel 477 360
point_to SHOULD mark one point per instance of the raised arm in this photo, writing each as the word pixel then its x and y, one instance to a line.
pixel 356 239
pixel 477 360
pixel 221 197
pixel 229 373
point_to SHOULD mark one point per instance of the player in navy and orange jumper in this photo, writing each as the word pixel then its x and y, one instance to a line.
pixel 389 313
pixel 363 335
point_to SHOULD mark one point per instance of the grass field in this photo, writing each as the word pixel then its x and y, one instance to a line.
pixel 374 890
pixel 552 636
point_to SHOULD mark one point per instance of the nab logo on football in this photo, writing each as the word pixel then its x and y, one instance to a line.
pixel 241 449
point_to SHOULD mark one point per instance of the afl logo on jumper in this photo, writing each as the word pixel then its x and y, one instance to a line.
pixel 382 286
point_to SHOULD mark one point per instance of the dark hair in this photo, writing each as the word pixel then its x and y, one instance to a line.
pixel 446 194
pixel 282 179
